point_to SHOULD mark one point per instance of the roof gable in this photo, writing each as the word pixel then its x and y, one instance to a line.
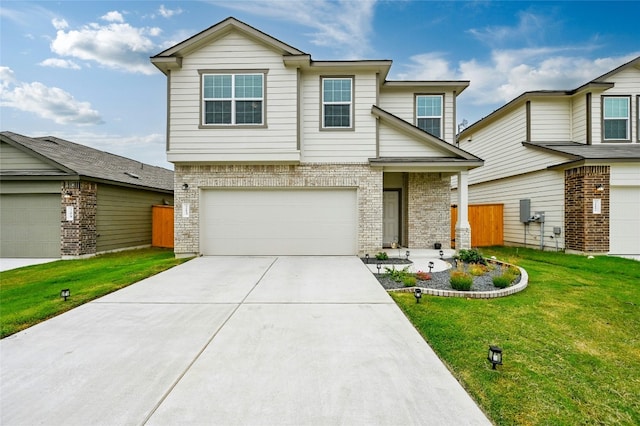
pixel 72 159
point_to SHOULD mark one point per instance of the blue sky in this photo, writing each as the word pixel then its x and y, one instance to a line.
pixel 80 70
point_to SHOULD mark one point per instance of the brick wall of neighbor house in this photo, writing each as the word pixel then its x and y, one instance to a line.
pixel 79 235
pixel 586 232
pixel 366 179
pixel 428 211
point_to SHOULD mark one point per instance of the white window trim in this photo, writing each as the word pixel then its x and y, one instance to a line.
pixel 628 138
pixel 233 99
pixel 323 103
pixel 441 116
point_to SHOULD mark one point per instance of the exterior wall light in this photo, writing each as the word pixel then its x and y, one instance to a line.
pixel 495 356
pixel 599 187
pixel 68 195
pixel 66 293
pixel 417 293
pixel 185 186
pixel 430 266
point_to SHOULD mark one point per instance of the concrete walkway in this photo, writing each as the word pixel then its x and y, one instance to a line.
pixel 233 341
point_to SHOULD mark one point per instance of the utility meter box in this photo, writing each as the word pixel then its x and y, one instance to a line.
pixel 525 210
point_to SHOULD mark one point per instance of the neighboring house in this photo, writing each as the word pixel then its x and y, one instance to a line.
pixel 575 155
pixel 276 153
pixel 62 199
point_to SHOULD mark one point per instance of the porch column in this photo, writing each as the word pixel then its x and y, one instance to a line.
pixel 463 228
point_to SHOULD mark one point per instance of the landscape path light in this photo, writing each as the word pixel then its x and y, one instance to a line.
pixel 417 293
pixel 407 254
pixel 494 356
pixel 366 257
pixel 65 293
pixel 441 254
pixel 378 265
pixel 430 266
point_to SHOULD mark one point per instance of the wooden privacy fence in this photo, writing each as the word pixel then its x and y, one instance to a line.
pixel 162 228
pixel 487 224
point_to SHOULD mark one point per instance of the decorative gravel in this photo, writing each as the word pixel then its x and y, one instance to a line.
pixel 440 281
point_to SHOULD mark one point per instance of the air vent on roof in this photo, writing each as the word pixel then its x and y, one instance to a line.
pixel 133 175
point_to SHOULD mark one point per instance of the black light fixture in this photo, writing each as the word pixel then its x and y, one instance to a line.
pixel 366 257
pixel 417 293
pixel 441 254
pixel 430 266
pixel 68 195
pixel 185 186
pixel 407 254
pixel 378 265
pixel 66 293
pixel 494 356
pixel 599 187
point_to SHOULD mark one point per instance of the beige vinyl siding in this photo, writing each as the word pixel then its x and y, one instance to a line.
pixel 627 83
pixel 123 217
pixel 550 120
pixel 233 53
pixel 579 118
pixel 401 103
pixel 12 158
pixel 545 189
pixel 396 144
pixel 30 225
pixel 354 145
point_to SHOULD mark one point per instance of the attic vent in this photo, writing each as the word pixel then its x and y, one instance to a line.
pixel 133 175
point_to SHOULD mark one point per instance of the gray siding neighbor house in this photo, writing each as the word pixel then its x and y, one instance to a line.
pixel 62 199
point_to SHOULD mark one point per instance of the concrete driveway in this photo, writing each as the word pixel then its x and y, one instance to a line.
pixel 233 341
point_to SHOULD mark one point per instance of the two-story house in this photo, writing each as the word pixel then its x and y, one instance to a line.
pixel 276 153
pixel 565 164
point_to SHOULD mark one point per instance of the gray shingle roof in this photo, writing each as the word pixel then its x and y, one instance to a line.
pixel 579 151
pixel 75 159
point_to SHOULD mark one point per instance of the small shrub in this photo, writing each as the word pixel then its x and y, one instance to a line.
pixel 513 270
pixel 382 256
pixel 409 281
pixel 397 275
pixel 423 276
pixel 477 270
pixel 471 256
pixel 461 281
pixel 502 281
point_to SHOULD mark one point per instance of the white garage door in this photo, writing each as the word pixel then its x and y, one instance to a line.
pixel 625 220
pixel 279 222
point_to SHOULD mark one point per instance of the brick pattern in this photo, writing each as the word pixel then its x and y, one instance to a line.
pixel 429 214
pixel 78 237
pixel 586 232
pixel 366 179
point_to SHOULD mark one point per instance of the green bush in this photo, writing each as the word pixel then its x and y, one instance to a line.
pixel 409 281
pixel 477 270
pixel 382 256
pixel 397 275
pixel 461 281
pixel 470 256
pixel 503 281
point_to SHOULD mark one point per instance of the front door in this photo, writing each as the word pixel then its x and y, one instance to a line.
pixel 390 218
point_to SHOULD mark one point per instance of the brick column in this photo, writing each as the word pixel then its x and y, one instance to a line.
pixel 586 231
pixel 78 219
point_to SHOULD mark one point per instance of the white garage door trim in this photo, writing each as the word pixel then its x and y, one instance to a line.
pixel 318 221
pixel 624 223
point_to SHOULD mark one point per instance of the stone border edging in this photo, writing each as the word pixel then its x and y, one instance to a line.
pixel 524 281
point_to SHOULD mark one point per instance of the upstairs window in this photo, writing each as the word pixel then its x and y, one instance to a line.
pixel 429 114
pixel 233 99
pixel 615 117
pixel 337 103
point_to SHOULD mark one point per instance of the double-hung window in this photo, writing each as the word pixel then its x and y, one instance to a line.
pixel 615 117
pixel 337 103
pixel 233 99
pixel 429 114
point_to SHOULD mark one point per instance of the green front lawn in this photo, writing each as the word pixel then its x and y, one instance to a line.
pixel 571 341
pixel 32 294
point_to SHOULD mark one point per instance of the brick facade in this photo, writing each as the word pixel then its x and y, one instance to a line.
pixel 428 212
pixel 78 236
pixel 586 231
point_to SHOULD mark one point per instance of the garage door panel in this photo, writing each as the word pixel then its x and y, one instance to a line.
pixel 625 220
pixel 285 222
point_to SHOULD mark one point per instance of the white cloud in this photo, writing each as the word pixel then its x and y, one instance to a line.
pixel 59 63
pixel 344 25
pixel 51 103
pixel 113 16
pixel 59 24
pixel 116 45
pixel 530 27
pixel 168 13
